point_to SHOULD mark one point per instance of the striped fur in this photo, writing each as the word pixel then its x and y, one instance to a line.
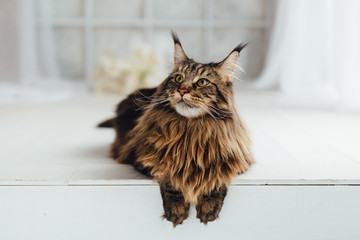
pixel 192 158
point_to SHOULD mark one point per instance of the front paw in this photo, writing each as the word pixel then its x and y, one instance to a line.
pixel 208 210
pixel 176 212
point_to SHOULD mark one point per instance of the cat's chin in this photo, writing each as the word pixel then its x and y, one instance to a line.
pixel 186 110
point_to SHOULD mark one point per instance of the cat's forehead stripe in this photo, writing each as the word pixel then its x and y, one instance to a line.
pixel 203 69
pixel 209 74
pixel 193 67
pixel 196 68
pixel 185 68
pixel 200 69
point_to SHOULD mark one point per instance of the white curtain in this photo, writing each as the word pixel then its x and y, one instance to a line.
pixel 347 53
pixel 37 68
pixel 37 63
pixel 314 51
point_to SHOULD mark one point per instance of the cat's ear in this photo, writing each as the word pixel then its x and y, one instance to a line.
pixel 179 54
pixel 228 66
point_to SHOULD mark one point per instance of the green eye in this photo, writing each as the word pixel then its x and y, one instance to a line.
pixel 178 79
pixel 202 82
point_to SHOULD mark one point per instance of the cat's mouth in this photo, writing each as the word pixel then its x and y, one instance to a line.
pixel 185 104
pixel 187 110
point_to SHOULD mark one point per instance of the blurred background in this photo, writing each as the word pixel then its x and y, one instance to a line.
pixel 306 51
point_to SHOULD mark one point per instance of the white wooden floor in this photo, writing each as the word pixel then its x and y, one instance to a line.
pixel 57 183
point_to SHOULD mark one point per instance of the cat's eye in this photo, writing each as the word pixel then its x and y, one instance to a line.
pixel 202 82
pixel 179 79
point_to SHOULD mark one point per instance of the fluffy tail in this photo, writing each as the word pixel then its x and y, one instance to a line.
pixel 107 123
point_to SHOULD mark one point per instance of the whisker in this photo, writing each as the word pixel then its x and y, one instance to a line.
pixel 215 110
pixel 148 97
pixel 221 113
pixel 206 110
pixel 162 109
pixel 221 110
pixel 144 99
pixel 156 103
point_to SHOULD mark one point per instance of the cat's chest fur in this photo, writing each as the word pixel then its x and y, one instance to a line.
pixel 196 156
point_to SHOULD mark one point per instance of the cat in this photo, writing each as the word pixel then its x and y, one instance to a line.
pixel 186 134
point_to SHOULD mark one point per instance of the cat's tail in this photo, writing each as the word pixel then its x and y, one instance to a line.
pixel 110 123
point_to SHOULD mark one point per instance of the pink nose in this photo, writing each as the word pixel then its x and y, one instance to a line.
pixel 182 91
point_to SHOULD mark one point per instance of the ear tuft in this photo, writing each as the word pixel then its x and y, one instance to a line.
pixel 228 66
pixel 240 47
pixel 179 54
pixel 175 37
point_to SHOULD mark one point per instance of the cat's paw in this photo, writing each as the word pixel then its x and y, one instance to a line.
pixel 176 212
pixel 208 211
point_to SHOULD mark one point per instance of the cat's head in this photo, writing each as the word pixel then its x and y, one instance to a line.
pixel 195 89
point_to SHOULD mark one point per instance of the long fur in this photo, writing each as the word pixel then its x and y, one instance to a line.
pixel 196 155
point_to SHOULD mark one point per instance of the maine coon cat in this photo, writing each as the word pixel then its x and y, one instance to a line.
pixel 186 134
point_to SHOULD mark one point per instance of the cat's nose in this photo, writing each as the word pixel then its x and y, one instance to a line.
pixel 182 91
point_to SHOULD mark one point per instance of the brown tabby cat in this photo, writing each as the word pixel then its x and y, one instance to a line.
pixel 186 134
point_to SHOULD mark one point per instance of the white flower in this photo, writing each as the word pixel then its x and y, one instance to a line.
pixel 144 67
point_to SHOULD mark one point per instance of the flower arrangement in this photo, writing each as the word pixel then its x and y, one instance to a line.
pixel 144 67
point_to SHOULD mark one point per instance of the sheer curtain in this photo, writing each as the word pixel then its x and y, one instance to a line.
pixel 314 51
pixel 347 53
pixel 37 71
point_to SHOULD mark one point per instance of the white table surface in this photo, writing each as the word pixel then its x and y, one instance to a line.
pixel 57 143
